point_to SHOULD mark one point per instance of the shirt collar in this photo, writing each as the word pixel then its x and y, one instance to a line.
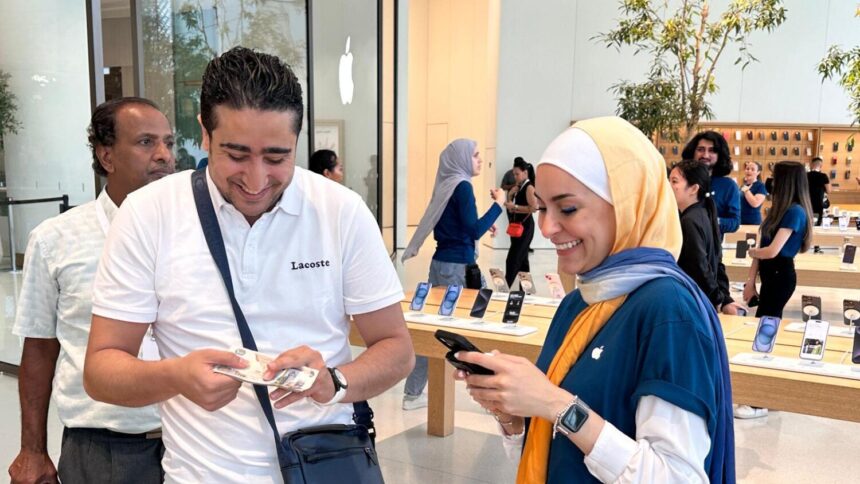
pixel 290 202
pixel 107 204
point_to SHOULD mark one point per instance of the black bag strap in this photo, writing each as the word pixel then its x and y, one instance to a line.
pixel 523 215
pixel 362 414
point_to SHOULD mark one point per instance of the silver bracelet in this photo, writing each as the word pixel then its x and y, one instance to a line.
pixel 560 414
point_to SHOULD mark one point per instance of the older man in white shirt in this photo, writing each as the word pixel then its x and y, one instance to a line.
pixel 132 145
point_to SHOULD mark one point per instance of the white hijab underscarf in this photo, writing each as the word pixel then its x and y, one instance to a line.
pixel 455 166
pixel 587 165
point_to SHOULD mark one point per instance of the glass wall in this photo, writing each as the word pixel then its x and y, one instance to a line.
pixel 177 39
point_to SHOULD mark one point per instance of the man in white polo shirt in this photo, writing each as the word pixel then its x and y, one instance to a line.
pixel 132 145
pixel 305 253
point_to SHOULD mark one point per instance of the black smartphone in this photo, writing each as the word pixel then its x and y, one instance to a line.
pixel 513 307
pixel 481 303
pixel 741 249
pixel 855 355
pixel 420 296
pixel 456 342
pixel 850 252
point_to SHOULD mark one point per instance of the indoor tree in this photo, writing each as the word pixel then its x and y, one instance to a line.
pixel 686 41
pixel 8 122
pixel 844 64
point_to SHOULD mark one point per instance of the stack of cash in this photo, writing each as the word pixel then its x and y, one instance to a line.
pixel 290 379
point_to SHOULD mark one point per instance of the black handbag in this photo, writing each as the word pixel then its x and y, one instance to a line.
pixel 320 455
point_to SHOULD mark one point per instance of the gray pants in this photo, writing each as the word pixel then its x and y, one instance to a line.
pixel 100 456
pixel 441 274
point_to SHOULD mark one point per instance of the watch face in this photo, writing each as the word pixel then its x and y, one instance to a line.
pixel 340 380
pixel 575 417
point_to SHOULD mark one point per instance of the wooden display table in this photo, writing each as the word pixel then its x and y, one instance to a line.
pixel 775 389
pixel 817 270
pixel 831 237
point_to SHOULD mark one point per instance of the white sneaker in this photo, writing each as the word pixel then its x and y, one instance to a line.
pixel 745 411
pixel 413 403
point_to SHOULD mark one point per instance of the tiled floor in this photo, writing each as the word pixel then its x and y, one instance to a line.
pixel 782 448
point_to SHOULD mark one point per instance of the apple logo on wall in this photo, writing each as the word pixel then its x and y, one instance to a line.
pixel 345 76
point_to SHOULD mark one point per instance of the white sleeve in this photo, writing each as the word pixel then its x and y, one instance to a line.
pixel 124 287
pixel 671 446
pixel 36 315
pixel 513 444
pixel 370 281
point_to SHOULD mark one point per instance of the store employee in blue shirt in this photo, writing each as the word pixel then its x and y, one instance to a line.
pixel 753 194
pixel 452 216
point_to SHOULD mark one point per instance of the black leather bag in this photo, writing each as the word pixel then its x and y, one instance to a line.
pixel 325 454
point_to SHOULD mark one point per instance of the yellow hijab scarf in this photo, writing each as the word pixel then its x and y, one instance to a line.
pixel 646 215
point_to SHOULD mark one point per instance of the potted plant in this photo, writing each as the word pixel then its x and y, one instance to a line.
pixel 686 40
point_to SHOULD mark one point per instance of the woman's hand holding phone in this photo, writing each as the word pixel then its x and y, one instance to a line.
pixel 749 291
pixel 518 387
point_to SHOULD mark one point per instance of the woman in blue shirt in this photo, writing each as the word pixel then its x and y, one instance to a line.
pixel 786 231
pixel 753 194
pixel 633 375
pixel 452 216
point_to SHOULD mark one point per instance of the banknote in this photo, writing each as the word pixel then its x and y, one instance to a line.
pixel 290 379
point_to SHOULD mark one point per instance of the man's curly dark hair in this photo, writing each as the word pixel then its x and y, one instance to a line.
pixel 723 166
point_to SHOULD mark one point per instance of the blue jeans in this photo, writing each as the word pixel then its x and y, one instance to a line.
pixel 441 274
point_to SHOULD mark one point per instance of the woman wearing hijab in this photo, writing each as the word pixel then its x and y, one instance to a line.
pixel 452 216
pixel 632 384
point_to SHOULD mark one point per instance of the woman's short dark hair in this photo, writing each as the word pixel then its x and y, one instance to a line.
pixel 242 78
pixel 102 128
pixel 322 160
pixel 723 166
pixel 525 166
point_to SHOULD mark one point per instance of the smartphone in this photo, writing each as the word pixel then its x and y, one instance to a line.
pixel 850 252
pixel 420 296
pixel 481 303
pixel 513 307
pixel 456 342
pixel 499 282
pixel 855 354
pixel 556 290
pixel 527 284
pixel 810 307
pixel 814 340
pixel 851 312
pixel 765 334
pixel 751 239
pixel 449 302
pixel 741 249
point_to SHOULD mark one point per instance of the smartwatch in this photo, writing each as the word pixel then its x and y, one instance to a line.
pixel 571 419
pixel 340 386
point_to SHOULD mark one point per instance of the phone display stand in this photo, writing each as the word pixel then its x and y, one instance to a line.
pixel 847 267
pixel 414 314
pixel 840 331
pixel 797 365
pixel 535 300
pixel 473 325
pixel 763 356
pixel 855 369
pixel 742 262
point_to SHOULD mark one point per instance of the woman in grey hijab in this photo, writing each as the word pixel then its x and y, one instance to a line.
pixel 452 216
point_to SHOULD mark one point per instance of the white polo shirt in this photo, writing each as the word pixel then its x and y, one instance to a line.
pixel 298 272
pixel 56 302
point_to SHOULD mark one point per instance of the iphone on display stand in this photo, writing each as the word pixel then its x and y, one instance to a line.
pixel 527 284
pixel 848 258
pixel 765 336
pixel 418 298
pixel 499 282
pixel 851 312
pixel 814 341
pixel 449 302
pixel 513 307
pixel 855 352
pixel 479 308
pixel 556 290
pixel 810 307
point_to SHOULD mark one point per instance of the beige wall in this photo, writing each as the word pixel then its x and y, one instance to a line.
pixel 453 65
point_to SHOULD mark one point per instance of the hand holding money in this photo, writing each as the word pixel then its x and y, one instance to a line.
pixel 257 372
pixel 322 389
pixel 193 378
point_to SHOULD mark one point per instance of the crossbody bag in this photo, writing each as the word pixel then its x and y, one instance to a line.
pixel 323 454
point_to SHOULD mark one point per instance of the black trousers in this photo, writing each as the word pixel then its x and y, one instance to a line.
pixel 97 456
pixel 518 254
pixel 778 281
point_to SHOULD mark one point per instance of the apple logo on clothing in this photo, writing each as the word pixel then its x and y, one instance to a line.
pixel 345 76
pixel 596 352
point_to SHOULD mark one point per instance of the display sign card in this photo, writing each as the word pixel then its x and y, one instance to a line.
pixel 810 307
